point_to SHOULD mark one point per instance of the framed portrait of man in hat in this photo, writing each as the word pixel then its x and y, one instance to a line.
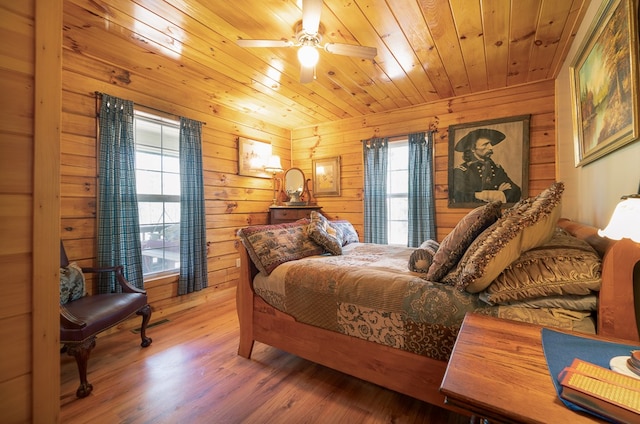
pixel 489 161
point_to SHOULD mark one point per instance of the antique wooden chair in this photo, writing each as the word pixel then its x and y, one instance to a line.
pixel 83 318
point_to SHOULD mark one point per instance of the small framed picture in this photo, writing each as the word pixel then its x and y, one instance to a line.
pixel 252 157
pixel 326 177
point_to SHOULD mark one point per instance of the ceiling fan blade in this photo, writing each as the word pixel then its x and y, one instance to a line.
pixel 311 10
pixel 351 50
pixel 264 43
pixel 307 74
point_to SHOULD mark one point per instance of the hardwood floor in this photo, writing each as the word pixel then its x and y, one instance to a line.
pixel 191 374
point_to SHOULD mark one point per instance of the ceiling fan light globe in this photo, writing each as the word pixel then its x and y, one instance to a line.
pixel 308 56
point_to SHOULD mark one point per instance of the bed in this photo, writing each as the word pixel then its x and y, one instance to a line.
pixel 313 290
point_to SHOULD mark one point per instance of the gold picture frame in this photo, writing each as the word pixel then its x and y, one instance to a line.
pixel 604 87
pixel 252 158
pixel 326 176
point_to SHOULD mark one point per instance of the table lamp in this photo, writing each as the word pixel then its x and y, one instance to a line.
pixel 274 166
pixel 625 227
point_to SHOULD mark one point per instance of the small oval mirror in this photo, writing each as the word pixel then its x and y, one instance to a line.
pixel 294 184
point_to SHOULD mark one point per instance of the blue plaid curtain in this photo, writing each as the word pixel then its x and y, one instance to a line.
pixel 422 224
pixel 118 224
pixel 375 152
pixel 193 243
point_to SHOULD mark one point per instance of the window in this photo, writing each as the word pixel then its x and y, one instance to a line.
pixel 398 192
pixel 158 189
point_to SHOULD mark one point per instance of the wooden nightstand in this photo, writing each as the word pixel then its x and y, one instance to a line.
pixel 283 214
pixel 497 370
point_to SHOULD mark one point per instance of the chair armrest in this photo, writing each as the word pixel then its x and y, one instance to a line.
pixel 68 320
pixel 120 278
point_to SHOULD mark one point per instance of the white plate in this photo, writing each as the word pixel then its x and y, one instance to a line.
pixel 619 364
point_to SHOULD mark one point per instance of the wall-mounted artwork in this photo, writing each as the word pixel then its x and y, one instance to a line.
pixel 604 87
pixel 252 157
pixel 489 160
pixel 326 177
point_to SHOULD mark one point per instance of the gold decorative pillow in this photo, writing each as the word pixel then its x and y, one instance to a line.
pixel 564 265
pixel 457 241
pixel 271 245
pixel 527 225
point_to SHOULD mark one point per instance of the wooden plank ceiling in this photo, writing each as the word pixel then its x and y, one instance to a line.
pixel 427 49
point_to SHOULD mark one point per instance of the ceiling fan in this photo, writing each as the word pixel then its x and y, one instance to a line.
pixel 308 40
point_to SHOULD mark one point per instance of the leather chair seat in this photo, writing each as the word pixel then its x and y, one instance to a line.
pixel 100 313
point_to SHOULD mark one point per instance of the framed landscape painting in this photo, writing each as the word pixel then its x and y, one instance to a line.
pixel 252 157
pixel 326 177
pixel 604 83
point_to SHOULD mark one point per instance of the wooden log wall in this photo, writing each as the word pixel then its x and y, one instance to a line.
pixel 17 77
pixel 30 67
pixel 343 138
pixel 107 61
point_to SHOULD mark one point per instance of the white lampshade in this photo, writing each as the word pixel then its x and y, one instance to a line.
pixel 308 56
pixel 273 164
pixel 625 221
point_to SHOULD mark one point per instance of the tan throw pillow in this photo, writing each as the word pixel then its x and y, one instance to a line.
pixel 457 241
pixel 529 224
pixel 421 258
pixel 327 236
pixel 564 265
pixel 271 245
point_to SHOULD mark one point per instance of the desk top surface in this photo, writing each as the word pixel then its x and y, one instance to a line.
pixel 498 370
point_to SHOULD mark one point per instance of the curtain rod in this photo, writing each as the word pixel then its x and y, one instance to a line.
pixel 98 93
pixel 399 135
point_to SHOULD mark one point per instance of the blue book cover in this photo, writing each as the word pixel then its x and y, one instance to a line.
pixel 560 349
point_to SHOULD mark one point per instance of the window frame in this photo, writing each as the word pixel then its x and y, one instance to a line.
pixel 142 115
pixel 397 143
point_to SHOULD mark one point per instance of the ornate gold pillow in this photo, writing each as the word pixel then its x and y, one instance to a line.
pixel 563 266
pixel 526 225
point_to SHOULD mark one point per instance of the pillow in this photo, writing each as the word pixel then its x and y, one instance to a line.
pixel 565 265
pixel 72 283
pixel 421 258
pixel 327 236
pixel 528 224
pixel 457 241
pixel 349 234
pixel 570 302
pixel 271 245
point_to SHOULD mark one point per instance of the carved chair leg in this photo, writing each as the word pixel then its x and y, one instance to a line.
pixel 81 352
pixel 145 311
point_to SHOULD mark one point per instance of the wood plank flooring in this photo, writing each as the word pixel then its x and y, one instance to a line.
pixel 192 374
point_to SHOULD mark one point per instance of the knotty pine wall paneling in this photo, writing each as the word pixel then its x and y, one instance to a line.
pixel 344 137
pixel 29 210
pixel 104 58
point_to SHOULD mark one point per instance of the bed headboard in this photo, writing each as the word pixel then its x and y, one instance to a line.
pixel 618 308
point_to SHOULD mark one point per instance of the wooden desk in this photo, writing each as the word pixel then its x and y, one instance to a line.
pixel 498 371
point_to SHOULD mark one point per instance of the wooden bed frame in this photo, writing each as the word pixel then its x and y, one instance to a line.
pixel 414 375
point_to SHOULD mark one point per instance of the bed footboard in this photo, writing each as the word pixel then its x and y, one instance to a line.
pixel 244 303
